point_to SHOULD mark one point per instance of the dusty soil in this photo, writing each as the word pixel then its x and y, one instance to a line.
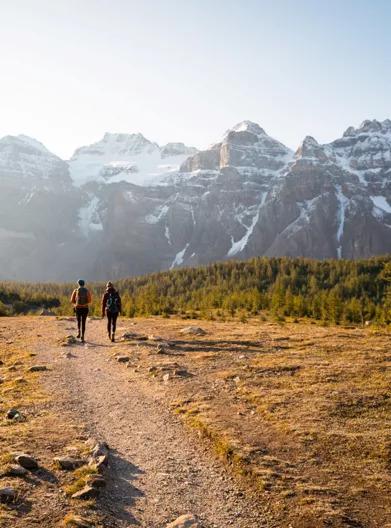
pixel 250 425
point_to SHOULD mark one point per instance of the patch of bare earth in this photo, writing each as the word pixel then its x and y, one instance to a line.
pixel 285 425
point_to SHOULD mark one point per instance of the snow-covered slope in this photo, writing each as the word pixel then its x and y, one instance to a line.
pixel 126 157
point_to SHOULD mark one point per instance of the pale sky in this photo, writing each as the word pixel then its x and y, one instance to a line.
pixel 187 70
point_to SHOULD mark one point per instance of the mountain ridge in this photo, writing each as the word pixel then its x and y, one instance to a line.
pixel 135 207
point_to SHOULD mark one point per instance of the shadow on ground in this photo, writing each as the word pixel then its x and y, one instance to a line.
pixel 120 494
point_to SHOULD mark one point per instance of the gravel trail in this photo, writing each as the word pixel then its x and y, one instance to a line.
pixel 159 470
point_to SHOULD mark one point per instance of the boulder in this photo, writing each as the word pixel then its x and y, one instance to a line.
pixel 26 461
pixel 184 521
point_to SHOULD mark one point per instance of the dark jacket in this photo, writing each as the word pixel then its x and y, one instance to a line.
pixel 108 292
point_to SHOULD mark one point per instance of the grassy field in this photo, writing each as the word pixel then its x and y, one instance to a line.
pixel 301 411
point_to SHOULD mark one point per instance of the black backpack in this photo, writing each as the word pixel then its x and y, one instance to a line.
pixel 82 296
pixel 113 302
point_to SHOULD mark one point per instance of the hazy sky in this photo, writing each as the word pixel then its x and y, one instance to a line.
pixel 186 70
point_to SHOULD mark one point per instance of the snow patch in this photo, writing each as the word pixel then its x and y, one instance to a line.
pixel 124 158
pixel 238 246
pixel 343 202
pixel 380 202
pixel 159 213
pixel 178 260
pixel 167 234
pixel 89 217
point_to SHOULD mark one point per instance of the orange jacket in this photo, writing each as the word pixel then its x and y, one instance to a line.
pixel 74 296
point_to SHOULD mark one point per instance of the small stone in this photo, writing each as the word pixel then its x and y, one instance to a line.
pixel 69 341
pixel 181 373
pixel 100 449
pixel 12 414
pixel 7 494
pixel 20 380
pixel 166 377
pixel 88 492
pixel 162 349
pixel 132 336
pixel 15 471
pixel 193 330
pixel 96 481
pixel 123 359
pixel 76 521
pixel 1 380
pixel 99 462
pixel 26 461
pixel 38 368
pixel 155 338
pixel 68 463
pixel 47 312
pixel 184 521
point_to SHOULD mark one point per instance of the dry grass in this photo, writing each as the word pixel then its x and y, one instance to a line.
pixel 42 431
pixel 302 411
pixel 80 479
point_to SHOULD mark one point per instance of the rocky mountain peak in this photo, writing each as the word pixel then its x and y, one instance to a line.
pixel 369 126
pixel 177 149
pixel 248 126
pixel 311 149
pixel 23 143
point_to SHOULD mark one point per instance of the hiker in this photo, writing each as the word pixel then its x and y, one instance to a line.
pixel 81 298
pixel 111 307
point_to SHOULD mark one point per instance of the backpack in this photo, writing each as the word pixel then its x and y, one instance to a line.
pixel 112 303
pixel 82 296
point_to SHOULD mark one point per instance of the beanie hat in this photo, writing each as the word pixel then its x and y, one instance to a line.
pixel 80 282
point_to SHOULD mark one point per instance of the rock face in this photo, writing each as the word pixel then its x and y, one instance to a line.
pixel 127 206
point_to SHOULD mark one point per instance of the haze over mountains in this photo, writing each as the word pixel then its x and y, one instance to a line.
pixel 126 205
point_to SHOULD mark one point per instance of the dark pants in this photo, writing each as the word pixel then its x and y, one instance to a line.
pixel 111 321
pixel 81 316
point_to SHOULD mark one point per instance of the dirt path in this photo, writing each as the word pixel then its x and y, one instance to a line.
pixel 159 470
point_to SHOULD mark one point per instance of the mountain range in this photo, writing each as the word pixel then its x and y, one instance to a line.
pixel 125 205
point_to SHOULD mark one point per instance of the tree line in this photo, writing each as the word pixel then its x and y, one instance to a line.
pixel 352 291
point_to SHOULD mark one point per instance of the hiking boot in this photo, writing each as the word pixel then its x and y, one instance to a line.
pixel 112 338
pixel 82 339
pixel 78 335
pixel 109 334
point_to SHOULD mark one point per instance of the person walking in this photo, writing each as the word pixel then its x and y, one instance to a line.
pixel 81 298
pixel 111 307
